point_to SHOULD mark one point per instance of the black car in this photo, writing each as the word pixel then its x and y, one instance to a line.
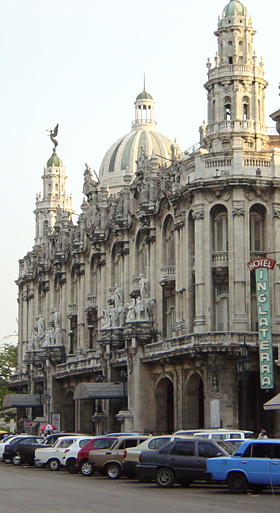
pixel 181 460
pixel 11 451
pixel 23 450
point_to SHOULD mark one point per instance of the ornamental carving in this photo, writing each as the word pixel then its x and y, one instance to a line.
pixel 198 214
pixel 238 211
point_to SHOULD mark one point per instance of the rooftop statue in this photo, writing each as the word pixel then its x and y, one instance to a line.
pixel 53 134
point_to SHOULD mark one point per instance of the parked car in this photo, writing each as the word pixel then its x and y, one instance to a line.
pixel 181 460
pixel 217 434
pixel 110 461
pixel 153 443
pixel 236 442
pixel 7 440
pixel 255 464
pixel 26 451
pixel 82 461
pixel 54 456
pixel 10 453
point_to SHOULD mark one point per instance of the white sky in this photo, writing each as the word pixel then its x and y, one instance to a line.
pixel 80 63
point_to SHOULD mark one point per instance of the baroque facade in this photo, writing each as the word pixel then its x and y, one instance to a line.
pixel 136 317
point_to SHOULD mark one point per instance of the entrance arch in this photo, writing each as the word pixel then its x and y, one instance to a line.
pixel 195 402
pixel 164 396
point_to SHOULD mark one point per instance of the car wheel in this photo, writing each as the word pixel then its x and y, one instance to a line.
pixel 71 466
pixel 165 478
pixel 7 460
pixel 16 460
pixel 87 468
pixel 237 482
pixel 185 482
pixel 113 470
pixel 54 464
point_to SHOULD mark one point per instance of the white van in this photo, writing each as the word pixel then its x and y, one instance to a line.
pixel 217 434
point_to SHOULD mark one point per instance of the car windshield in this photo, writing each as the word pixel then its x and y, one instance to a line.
pixel 227 446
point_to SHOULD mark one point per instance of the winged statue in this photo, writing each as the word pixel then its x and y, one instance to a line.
pixel 53 134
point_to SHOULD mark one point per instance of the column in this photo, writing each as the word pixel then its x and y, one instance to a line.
pixel 200 318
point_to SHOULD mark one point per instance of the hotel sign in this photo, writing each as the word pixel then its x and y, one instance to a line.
pixel 261 266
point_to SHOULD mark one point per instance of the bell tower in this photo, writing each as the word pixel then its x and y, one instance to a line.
pixel 54 195
pixel 235 86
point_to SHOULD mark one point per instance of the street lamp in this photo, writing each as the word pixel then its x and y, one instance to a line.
pixel 244 366
pixel 123 375
pixel 40 391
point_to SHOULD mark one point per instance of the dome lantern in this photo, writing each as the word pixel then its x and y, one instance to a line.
pixel 121 157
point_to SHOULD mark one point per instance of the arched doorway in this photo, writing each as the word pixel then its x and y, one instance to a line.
pixel 68 413
pixel 164 396
pixel 195 402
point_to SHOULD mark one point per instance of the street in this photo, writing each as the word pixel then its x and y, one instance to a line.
pixel 34 490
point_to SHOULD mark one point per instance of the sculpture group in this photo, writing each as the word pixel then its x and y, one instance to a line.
pixel 41 337
pixel 140 309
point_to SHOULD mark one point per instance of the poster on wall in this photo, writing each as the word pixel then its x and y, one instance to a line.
pixel 56 420
pixel 215 413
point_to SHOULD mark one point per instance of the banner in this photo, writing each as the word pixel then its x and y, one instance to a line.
pixel 264 327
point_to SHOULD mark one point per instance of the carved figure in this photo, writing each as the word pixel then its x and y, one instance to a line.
pixel 39 332
pixel 139 309
pixel 106 319
pixel 118 297
pixel 143 286
pixel 57 329
pixel 53 134
pixel 49 338
pixel 131 311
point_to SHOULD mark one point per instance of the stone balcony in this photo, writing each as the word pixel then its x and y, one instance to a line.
pixel 72 309
pixel 91 303
pixel 197 343
pixel 78 366
pixel 167 274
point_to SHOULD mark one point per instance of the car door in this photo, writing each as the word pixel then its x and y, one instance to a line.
pixel 275 464
pixel 182 459
pixel 256 463
pixel 26 447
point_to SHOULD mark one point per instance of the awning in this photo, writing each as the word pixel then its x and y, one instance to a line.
pixel 100 391
pixel 21 400
pixel 273 404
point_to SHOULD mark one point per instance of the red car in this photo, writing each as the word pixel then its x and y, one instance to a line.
pixel 82 462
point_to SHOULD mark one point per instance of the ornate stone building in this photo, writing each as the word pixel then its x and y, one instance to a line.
pixel 136 317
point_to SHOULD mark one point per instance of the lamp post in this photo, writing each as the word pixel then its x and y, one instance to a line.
pixel 40 391
pixel 123 375
pixel 244 366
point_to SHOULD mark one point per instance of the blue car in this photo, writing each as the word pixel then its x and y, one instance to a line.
pixel 254 465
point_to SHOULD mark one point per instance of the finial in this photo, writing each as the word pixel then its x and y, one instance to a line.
pixel 52 135
pixel 144 82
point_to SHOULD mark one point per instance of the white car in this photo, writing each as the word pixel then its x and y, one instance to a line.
pixel 66 448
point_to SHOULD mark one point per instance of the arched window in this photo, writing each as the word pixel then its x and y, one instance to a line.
pixel 222 306
pixel 256 229
pixel 168 242
pixel 220 231
pixel 142 255
pixel 227 108
pixel 246 107
pixel 213 111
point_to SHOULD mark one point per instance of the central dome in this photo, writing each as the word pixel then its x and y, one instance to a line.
pixel 235 7
pixel 124 153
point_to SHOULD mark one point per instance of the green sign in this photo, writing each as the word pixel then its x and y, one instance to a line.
pixel 264 326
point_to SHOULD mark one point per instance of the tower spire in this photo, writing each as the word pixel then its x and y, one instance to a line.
pixel 236 86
